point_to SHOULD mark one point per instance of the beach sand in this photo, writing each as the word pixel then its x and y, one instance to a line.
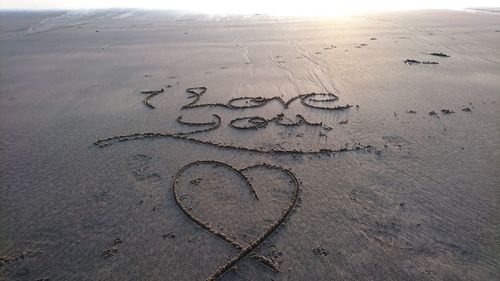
pixel 401 182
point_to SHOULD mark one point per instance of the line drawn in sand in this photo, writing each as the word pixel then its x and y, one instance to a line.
pixel 244 250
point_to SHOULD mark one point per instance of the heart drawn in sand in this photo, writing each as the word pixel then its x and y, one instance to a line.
pixel 272 209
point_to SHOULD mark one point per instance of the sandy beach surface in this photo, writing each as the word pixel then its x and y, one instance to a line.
pixel 147 145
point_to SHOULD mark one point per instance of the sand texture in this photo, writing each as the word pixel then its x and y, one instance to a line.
pixel 143 145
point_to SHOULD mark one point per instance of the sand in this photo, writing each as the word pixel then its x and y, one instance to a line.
pixel 391 174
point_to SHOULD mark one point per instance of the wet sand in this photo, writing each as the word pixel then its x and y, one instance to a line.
pixel 141 145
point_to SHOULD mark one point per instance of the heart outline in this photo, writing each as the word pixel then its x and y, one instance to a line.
pixel 244 251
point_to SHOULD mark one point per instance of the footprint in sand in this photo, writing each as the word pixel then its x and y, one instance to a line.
pixel 146 179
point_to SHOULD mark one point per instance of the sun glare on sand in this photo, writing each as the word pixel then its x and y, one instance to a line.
pixel 276 7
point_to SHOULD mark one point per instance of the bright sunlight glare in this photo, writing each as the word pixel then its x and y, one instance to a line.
pixel 278 7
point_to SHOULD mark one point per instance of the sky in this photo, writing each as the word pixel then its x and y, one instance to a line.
pixel 292 7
